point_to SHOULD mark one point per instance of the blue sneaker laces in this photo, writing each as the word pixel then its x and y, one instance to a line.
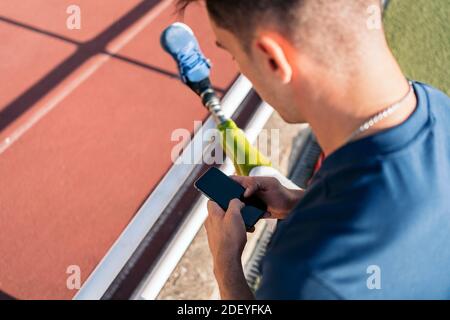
pixel 189 59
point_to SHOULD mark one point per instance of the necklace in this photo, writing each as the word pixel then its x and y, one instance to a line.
pixel 380 116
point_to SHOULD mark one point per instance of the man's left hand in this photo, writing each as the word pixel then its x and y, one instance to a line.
pixel 226 233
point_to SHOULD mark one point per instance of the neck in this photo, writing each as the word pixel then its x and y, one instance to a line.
pixel 346 105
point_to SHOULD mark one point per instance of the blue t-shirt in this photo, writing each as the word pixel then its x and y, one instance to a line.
pixel 375 221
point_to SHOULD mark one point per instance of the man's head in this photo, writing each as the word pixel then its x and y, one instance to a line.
pixel 289 49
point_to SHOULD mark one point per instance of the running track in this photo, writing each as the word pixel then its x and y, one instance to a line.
pixel 86 118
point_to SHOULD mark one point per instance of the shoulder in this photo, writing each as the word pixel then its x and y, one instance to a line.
pixel 438 101
pixel 434 93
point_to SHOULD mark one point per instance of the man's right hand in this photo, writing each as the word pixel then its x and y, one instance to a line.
pixel 279 199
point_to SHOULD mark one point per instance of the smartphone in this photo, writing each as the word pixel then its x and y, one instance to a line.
pixel 221 189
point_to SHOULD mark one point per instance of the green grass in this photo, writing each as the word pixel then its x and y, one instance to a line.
pixel 418 32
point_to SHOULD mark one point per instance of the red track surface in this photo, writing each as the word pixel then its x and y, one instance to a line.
pixel 88 115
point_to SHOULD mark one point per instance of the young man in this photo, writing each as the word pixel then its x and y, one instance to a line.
pixel 375 222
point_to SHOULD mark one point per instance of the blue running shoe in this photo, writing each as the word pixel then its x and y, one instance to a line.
pixel 180 42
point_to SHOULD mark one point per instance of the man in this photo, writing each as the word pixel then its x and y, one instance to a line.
pixel 375 221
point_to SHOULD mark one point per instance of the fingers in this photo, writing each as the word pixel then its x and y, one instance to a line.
pixel 235 207
pixel 215 216
pixel 214 210
pixel 250 184
pixel 239 179
pixel 243 181
pixel 252 189
pixel 234 215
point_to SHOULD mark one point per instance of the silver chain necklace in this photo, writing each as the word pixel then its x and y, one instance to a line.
pixel 380 116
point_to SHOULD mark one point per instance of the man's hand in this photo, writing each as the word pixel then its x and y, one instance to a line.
pixel 227 238
pixel 279 199
pixel 226 232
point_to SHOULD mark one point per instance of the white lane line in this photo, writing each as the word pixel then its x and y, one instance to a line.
pixel 122 250
pixel 66 88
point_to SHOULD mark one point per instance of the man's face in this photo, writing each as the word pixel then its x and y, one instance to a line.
pixel 257 68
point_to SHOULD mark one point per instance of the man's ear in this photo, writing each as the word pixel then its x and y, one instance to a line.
pixel 272 54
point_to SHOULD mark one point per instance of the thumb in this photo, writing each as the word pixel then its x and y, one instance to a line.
pixel 235 206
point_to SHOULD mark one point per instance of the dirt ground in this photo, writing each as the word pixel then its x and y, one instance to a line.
pixel 193 278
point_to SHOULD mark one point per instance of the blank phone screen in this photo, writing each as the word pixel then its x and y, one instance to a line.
pixel 222 189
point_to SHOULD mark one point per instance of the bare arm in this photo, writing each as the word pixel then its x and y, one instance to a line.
pixel 231 280
pixel 227 235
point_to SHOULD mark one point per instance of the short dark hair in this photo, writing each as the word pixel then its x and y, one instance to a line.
pixel 327 28
pixel 242 16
